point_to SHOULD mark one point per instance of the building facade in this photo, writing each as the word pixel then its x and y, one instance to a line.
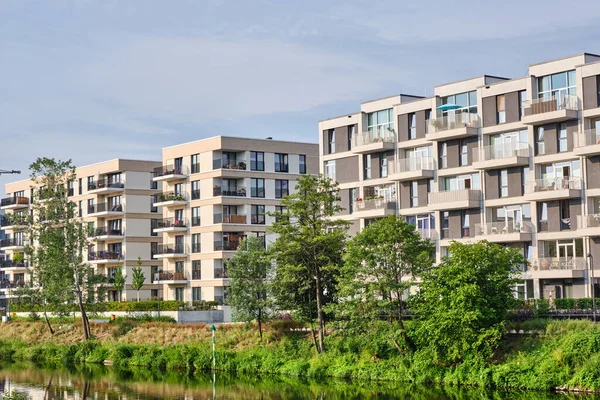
pixel 215 192
pixel 512 161
pixel 115 199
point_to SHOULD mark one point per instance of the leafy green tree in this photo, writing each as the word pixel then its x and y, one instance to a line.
pixel 138 278
pixel 119 280
pixel 308 251
pixel 380 265
pixel 463 304
pixel 250 272
pixel 57 239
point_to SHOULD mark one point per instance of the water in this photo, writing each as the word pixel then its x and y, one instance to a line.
pixel 95 382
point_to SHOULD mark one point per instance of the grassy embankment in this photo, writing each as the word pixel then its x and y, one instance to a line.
pixel 565 355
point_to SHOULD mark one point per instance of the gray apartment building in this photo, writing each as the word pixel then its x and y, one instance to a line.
pixel 511 161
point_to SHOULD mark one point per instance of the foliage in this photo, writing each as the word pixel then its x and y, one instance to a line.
pixel 308 250
pixel 119 281
pixel 463 304
pixel 138 278
pixel 250 273
pixel 25 305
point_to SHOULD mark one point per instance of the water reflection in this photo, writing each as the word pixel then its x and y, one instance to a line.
pixel 97 382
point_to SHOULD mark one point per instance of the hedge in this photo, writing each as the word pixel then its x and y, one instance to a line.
pixel 146 305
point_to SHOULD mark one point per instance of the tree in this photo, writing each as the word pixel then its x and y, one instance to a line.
pixel 250 274
pixel 138 278
pixel 57 240
pixel 119 281
pixel 380 265
pixel 463 305
pixel 308 250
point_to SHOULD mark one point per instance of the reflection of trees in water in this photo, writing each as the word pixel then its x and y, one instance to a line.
pixel 92 381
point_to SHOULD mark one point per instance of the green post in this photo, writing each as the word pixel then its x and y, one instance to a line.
pixel 214 355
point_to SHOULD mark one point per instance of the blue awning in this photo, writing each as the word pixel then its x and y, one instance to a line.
pixel 447 107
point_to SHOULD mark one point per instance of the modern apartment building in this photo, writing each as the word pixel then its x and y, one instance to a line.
pixel 217 191
pixel 512 161
pixel 115 199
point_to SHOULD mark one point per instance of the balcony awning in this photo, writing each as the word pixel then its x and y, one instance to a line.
pixel 446 107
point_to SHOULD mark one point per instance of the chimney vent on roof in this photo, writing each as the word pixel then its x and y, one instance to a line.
pixel 269 138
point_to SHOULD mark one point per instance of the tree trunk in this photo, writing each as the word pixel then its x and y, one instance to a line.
pixel 320 316
pixel 48 320
pixel 314 338
pixel 259 320
pixel 403 334
pixel 138 296
pixel 84 319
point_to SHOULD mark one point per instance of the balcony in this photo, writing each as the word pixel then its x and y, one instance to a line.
pixel 13 222
pixel 103 185
pixel 229 164
pixel 452 126
pixel 587 143
pixel 170 278
pixel 12 244
pixel 553 189
pixel 104 257
pixel 557 267
pixel 170 199
pixel 501 156
pixel 505 231
pixel 230 245
pixel 105 209
pixel 106 233
pixel 237 191
pixel 373 141
pixel 373 208
pixel 427 233
pixel 589 225
pixel 170 225
pixel 410 169
pixel 171 251
pixel 553 109
pixel 13 266
pixel 168 173
pixel 455 199
pixel 230 219
pixel 14 284
pixel 220 273
pixel 14 203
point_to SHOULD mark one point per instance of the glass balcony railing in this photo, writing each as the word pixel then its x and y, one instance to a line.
pixel 229 164
pixel 453 121
pixel 105 231
pixel 169 223
pixel 374 136
pixel 550 104
pixel 164 249
pixel 231 245
pixel 13 201
pixel 588 138
pixel 500 151
pixel 557 263
pixel 229 219
pixel 238 191
pixel 548 184
pixel 411 164
pixel 504 227
pixel 104 255
pixel 166 170
pixel 104 183
pixel 170 276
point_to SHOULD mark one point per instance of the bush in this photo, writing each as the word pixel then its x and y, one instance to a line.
pixel 22 305
pixel 564 304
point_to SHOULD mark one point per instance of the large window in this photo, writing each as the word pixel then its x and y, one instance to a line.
pixel 467 102
pixel 257 161
pixel 445 224
pixel 257 214
pixel 466 223
pixel 257 187
pixel 412 126
pixel 464 153
pixel 195 243
pixel 302 163
pixel 460 182
pixel 196 270
pixel 562 137
pixel 565 215
pixel 195 162
pixel 383 165
pixel 195 190
pixel 196 292
pixel 540 146
pixel 330 170
pixel 557 85
pixel 443 155
pixel 503 183
pixel 414 194
pixel 281 188
pixel 351 133
pixel 500 109
pixel 366 166
pixel 522 102
pixel 381 123
pixel 330 141
pixel 281 162
pixel 195 216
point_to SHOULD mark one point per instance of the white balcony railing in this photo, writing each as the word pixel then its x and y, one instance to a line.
pixel 587 138
pixel 453 121
pixel 549 104
pixel 504 227
pixel 374 204
pixel 500 151
pixel 411 164
pixel 588 221
pixel 546 184
pixel 451 196
pixel 556 263
pixel 374 136
pixel 427 233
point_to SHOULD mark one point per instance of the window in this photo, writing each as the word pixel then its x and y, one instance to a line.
pixel 153 248
pixel 178 189
pixel 258 214
pixel 153 200
pixel 90 206
pixel 279 210
pixel 500 109
pixel 565 215
pixel 503 183
pixel 562 137
pixel 351 131
pixel 281 162
pixel 412 126
pixel 522 102
pixel 383 166
pixel 179 294
pixel 557 86
pixel 80 186
pixel 427 118
pixel 380 123
pixel 543 216
pixel 330 170
pixel 302 163
pixel 195 162
pixel 352 196
pixel 195 216
pixel 178 166
pixel 366 166
pixel 464 153
pixel 330 141
pixel 540 146
pixel 91 183
pixel 525 179
pixel 195 243
pixel 153 184
pixel 196 293
pixel 153 272
pixel 444 155
pixel 154 292
pixel 257 161
pixel 80 211
pixel 467 102
pixel 154 224
pixel 196 269
pixel 281 188
pixel 414 193
pixel 445 224
pixel 114 203
pixel 465 217
pixel 195 190
pixel 257 187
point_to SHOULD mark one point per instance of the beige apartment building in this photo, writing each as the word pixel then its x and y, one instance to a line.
pixel 215 192
pixel 511 161
pixel 115 199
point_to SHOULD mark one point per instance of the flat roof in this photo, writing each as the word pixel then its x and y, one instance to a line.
pixel 236 137
pixel 470 79
pixel 564 58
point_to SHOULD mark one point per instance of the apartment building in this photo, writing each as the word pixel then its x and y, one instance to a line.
pixel 215 192
pixel 115 199
pixel 511 161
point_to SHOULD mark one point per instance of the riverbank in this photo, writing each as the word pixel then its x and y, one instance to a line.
pixel 566 355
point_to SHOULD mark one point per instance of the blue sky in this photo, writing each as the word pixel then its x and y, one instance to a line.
pixel 93 80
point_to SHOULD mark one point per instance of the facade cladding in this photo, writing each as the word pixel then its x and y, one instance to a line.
pixel 511 161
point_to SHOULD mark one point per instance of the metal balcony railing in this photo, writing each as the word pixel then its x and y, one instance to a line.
pixel 237 191
pixel 549 104
pixel 14 264
pixel 104 207
pixel 196 274
pixel 170 196
pixel 105 231
pixel 557 263
pixel 12 242
pixel 104 255
pixel 546 184
pixel 170 170
pixel 13 220
pixel 196 248
pixel 374 136
pixel 374 204
pixel 229 164
pixel 229 219
pixel 453 121
pixel 500 151
pixel 8 284
pixel 163 249
pixel 411 164
pixel 220 273
pixel 231 245
pixel 587 138
pixel 504 227
pixel 170 276
pixel 104 183
pixel 13 201
pixel 169 223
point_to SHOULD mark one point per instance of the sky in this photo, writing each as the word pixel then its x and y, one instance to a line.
pixel 93 80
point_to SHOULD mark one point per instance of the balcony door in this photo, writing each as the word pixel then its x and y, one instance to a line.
pixel 514 219
pixel 179 242
pixel 566 250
